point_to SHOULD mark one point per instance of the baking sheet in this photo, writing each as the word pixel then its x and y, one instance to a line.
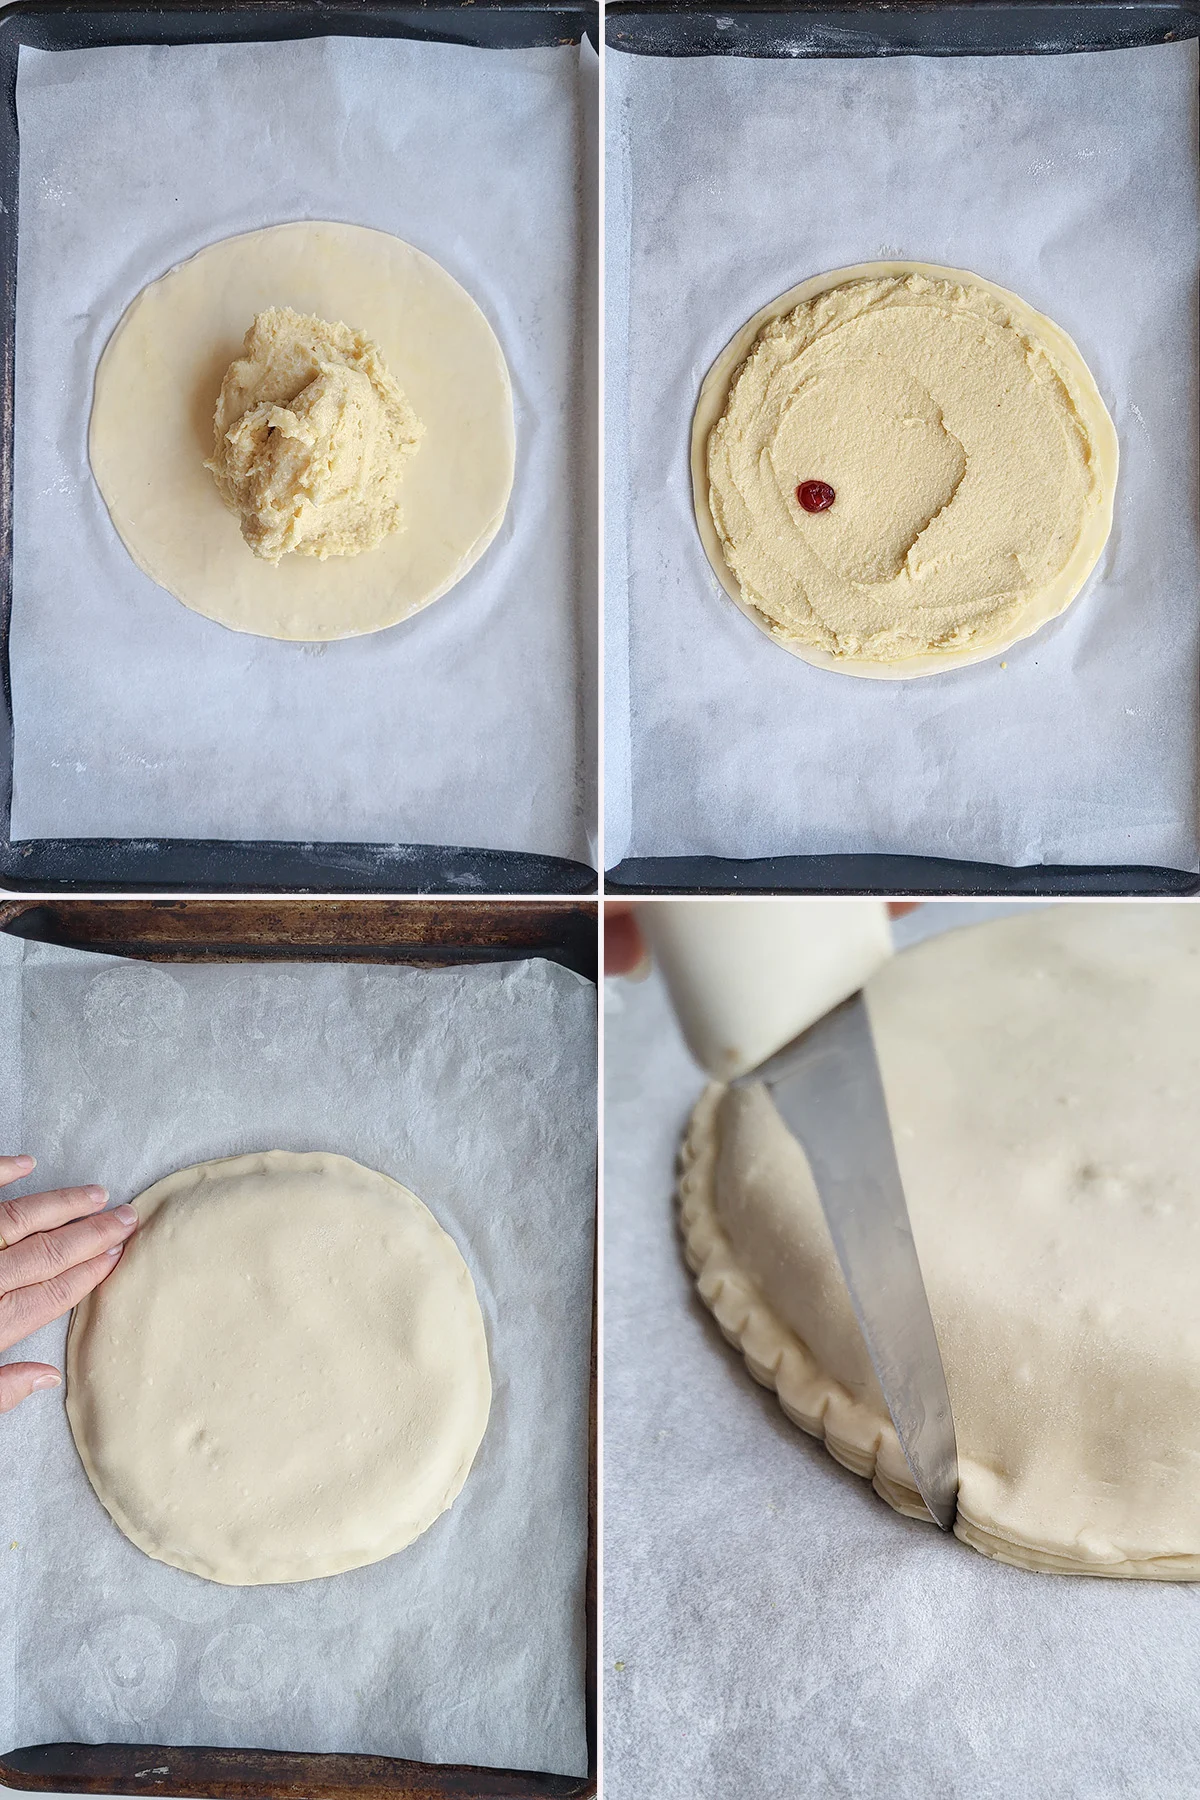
pixel 137 718
pixel 1072 180
pixel 770 1625
pixel 474 1086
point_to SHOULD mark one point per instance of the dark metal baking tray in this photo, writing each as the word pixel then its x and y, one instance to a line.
pixel 921 876
pixel 72 865
pixel 301 930
pixel 891 28
pixel 896 27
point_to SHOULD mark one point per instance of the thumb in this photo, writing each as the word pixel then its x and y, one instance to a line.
pixel 19 1380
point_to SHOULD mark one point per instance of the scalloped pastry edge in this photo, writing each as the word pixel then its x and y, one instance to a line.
pixel 812 1398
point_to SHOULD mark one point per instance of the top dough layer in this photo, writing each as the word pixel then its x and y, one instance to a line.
pixel 287 1375
pixel 973 461
pixel 311 436
pixel 152 428
pixel 1041 1073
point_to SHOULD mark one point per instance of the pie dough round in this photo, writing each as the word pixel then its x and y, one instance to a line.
pixel 152 428
pixel 1041 1073
pixel 287 1374
pixel 972 457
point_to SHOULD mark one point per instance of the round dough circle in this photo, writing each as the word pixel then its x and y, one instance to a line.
pixel 152 428
pixel 287 1374
pixel 1071 370
pixel 1040 1073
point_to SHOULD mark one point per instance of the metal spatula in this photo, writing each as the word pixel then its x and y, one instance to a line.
pixel 827 1089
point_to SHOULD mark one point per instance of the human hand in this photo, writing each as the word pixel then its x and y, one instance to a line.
pixel 623 946
pixel 54 1249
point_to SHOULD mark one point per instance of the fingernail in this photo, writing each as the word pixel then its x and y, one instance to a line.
pixel 46 1381
pixel 25 1162
pixel 97 1195
pixel 124 1215
pixel 115 1251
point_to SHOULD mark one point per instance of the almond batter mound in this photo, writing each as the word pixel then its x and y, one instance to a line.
pixel 312 435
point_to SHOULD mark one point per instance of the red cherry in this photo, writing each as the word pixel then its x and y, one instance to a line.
pixel 815 496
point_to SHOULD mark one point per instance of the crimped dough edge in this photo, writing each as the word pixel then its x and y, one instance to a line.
pixel 811 1398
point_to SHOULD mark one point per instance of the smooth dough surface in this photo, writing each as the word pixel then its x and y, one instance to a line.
pixel 1041 1073
pixel 972 457
pixel 152 428
pixel 287 1374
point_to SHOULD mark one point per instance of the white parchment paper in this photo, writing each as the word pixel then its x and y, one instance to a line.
pixel 1072 180
pixel 476 1088
pixel 467 724
pixel 770 1625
